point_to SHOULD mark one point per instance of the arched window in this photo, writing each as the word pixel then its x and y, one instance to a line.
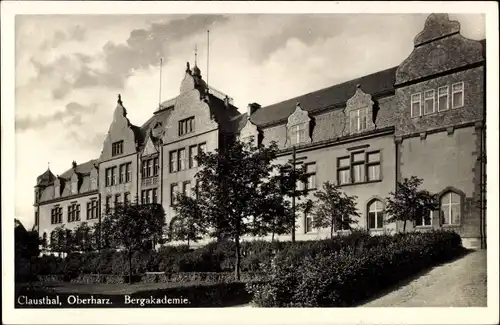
pixel 376 215
pixel 450 208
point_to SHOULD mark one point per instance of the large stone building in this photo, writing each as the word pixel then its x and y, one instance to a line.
pixel 425 117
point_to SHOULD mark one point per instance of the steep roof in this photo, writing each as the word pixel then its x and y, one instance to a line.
pixel 83 169
pixel 45 179
pixel 374 84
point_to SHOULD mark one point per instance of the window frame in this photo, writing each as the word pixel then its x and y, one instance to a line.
pixel 173 161
pixel 447 95
pixel 56 215
pixel 453 92
pixel 92 209
pixel 117 148
pixel 310 174
pixel 432 97
pixel 173 187
pixel 423 223
pixel 358 117
pixel 186 126
pixel 376 212
pixel 363 165
pixel 73 212
pixel 419 101
pixel 450 204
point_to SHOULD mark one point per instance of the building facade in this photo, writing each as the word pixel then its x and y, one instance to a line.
pixel 424 118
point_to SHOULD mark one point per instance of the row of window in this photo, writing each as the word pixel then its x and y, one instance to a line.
pixel 178 159
pixel 124 176
pixel 74 212
pixel 358 167
pixel 186 189
pixel 450 212
pixel 431 100
pixel 150 167
pixel 117 148
pixel 186 126
pixel 117 200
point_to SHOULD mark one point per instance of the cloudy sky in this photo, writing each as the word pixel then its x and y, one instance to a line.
pixel 69 70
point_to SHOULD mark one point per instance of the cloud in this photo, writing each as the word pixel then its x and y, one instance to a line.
pixel 75 33
pixel 143 49
pixel 72 114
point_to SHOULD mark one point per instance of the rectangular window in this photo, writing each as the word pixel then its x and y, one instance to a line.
pixel 150 167
pixel 416 100
pixel 358 119
pixel 74 212
pixel 143 197
pixel 202 147
pixel 155 195
pixel 117 148
pixel 108 204
pixel 156 166
pixel 424 221
pixel 192 155
pixel 182 159
pixel 343 170
pixel 429 97
pixel 126 198
pixel 358 168
pixel 174 189
pixel 173 161
pixel 443 98
pixel 186 126
pixel 113 176
pixel 36 218
pixel 122 174
pixel 108 176
pixel 186 188
pixel 457 95
pixel 92 210
pixel 373 166
pixel 56 215
pixel 128 171
pixel 358 173
pixel 309 227
pixel 117 200
pixel 311 176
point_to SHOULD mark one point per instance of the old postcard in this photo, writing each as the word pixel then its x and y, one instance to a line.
pixel 233 162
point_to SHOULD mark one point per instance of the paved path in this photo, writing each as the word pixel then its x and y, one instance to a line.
pixel 461 283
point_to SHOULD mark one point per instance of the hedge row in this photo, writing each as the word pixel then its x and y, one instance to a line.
pixel 213 257
pixel 178 278
pixel 349 275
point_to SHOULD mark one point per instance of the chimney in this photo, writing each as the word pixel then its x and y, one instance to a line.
pixel 226 101
pixel 252 108
pixel 74 164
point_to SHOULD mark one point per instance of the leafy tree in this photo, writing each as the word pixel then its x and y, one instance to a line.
pixel 188 225
pixel 334 209
pixel 59 241
pixel 27 246
pixel 83 238
pixel 409 203
pixel 231 191
pixel 133 227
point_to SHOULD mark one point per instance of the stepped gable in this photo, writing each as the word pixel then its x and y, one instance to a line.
pixel 375 84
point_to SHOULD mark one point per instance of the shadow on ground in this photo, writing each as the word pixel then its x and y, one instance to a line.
pixel 409 279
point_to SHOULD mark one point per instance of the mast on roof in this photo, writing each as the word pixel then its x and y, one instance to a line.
pixel 159 93
pixel 208 58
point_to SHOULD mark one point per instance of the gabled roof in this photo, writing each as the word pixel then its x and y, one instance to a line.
pixel 374 84
pixel 83 169
pixel 45 179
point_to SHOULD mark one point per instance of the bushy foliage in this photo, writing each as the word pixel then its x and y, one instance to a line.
pixel 346 276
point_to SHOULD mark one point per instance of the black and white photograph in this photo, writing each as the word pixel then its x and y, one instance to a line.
pixel 191 158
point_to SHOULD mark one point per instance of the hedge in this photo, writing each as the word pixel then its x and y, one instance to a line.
pixel 347 276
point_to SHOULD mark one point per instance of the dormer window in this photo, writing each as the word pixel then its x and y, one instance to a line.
pixel 117 148
pixel 186 126
pixel 457 95
pixel 298 133
pixel 358 119
pixel 429 101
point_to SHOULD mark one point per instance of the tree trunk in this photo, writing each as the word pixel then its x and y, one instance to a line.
pixel 272 237
pixel 188 242
pixel 237 264
pixel 404 226
pixel 130 267
pixel 331 229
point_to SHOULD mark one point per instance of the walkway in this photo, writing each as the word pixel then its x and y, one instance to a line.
pixel 461 283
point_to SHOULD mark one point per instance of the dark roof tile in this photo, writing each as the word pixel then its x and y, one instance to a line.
pixel 374 84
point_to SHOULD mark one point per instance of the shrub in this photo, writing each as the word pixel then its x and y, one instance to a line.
pixel 343 277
